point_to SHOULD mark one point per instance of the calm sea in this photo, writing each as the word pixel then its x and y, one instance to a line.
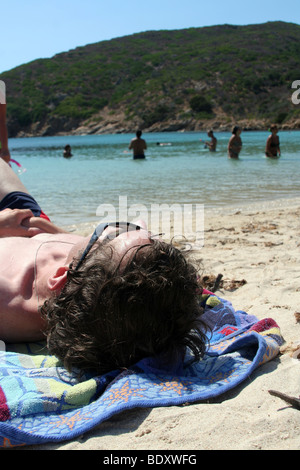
pixel 102 169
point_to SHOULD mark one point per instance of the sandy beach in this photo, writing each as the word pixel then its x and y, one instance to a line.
pixel 256 249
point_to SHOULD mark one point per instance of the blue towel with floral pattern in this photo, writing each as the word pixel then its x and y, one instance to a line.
pixel 40 402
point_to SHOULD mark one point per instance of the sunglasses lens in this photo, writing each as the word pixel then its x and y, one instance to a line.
pixel 114 231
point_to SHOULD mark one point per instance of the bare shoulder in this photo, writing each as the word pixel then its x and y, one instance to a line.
pixel 66 237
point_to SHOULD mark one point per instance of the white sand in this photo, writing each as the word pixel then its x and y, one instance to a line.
pixel 261 246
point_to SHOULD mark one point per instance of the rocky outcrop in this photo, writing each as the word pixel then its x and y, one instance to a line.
pixel 108 122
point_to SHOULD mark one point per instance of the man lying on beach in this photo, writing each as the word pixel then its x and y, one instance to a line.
pixel 103 302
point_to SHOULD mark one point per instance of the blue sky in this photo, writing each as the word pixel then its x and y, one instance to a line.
pixel 33 29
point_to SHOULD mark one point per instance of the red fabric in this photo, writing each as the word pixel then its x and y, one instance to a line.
pixel 227 330
pixel 4 411
pixel 264 325
pixel 205 292
pixel 44 216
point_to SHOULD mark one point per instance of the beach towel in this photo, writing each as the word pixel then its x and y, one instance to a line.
pixel 40 402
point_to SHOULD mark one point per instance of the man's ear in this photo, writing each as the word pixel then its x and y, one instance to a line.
pixel 58 279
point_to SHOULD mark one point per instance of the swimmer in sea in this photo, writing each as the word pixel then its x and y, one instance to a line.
pixel 272 145
pixel 212 145
pixel 235 143
pixel 67 151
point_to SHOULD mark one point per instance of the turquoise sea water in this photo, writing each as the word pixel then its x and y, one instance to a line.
pixel 102 169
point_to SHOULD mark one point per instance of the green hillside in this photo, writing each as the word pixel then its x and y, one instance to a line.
pixel 185 78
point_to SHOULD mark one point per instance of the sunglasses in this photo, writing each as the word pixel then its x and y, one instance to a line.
pixel 121 226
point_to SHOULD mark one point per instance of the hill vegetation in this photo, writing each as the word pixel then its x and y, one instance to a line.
pixel 161 80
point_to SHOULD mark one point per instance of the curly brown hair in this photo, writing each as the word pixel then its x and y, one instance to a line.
pixel 109 316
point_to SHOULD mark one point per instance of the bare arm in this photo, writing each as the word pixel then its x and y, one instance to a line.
pixel 3 134
pixel 268 145
pixel 22 223
pixel 230 142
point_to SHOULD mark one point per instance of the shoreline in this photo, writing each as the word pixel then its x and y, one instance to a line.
pixel 257 253
pixel 116 125
pixel 84 228
pixel 83 131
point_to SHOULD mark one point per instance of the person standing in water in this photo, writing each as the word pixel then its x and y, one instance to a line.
pixel 272 145
pixel 235 143
pixel 212 145
pixel 138 145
